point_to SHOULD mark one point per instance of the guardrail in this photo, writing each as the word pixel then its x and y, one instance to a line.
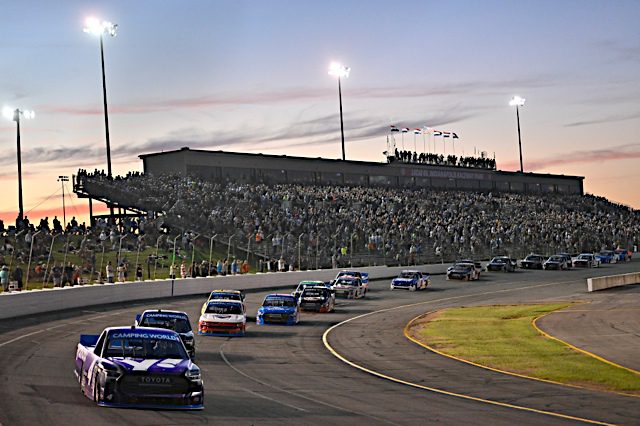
pixel 602 283
pixel 610 281
pixel 32 302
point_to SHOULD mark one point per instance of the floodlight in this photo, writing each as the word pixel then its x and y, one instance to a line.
pixel 8 112
pixel 96 27
pixel 338 70
pixel 516 101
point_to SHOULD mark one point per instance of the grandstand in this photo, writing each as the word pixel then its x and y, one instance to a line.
pixel 319 212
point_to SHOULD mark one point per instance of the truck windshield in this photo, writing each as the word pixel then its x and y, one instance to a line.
pixel 146 347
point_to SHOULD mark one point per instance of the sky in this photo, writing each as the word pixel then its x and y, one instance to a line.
pixel 251 76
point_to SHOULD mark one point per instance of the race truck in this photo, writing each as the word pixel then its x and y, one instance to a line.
pixel 586 260
pixel 502 263
pixel 304 284
pixel 170 320
pixel 278 309
pixel 411 280
pixel 139 367
pixel 607 256
pixel 533 261
pixel 223 317
pixel 556 261
pixel 462 271
pixel 348 287
pixel 223 295
pixel 317 298
pixel 364 277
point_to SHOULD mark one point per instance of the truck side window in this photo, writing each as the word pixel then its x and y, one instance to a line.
pixel 100 344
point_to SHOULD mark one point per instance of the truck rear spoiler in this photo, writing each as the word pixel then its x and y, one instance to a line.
pixel 87 340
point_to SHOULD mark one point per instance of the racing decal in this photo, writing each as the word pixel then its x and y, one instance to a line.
pixel 140 335
pixel 91 377
pixel 164 315
pixel 168 363
pixel 147 364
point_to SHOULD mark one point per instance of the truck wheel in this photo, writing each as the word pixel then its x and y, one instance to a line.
pixel 412 287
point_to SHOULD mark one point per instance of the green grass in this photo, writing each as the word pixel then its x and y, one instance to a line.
pixel 503 337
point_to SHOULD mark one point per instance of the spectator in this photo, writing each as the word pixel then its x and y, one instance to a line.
pixel 17 277
pixel 183 270
pixel 121 269
pixel 109 272
pixel 4 277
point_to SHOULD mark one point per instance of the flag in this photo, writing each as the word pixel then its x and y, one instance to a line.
pixel 437 133
pixel 446 134
pixel 455 136
pixel 394 129
pixel 405 130
pixel 417 131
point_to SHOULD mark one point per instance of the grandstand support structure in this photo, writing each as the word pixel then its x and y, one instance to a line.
pixel 126 208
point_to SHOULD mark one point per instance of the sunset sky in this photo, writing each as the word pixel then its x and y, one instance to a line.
pixel 251 76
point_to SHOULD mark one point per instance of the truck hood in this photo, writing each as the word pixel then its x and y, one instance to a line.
pixel 222 317
pixel 162 365
pixel 276 310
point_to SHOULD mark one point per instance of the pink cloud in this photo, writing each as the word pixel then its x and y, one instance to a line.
pixel 621 152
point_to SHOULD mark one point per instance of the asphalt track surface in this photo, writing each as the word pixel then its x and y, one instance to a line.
pixel 286 375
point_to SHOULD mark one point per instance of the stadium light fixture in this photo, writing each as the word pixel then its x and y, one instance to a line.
pixel 15 115
pixel 338 70
pixel 517 101
pixel 101 28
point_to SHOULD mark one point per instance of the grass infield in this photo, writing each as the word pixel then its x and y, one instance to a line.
pixel 504 338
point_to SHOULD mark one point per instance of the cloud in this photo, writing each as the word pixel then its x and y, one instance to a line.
pixel 312 131
pixel 620 152
pixel 608 119
pixel 618 50
pixel 296 94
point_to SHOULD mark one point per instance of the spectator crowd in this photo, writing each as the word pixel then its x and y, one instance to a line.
pixel 334 222
pixel 283 226
pixel 441 160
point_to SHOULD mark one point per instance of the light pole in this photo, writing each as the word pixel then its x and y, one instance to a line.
pixel 229 246
pixel 339 70
pixel 155 265
pixel 299 253
pixel 33 237
pixel 46 270
pixel 15 114
pixel 517 101
pixel 62 180
pixel 210 253
pixel 120 248
pixel 101 28
pixel 193 253
pixel 173 261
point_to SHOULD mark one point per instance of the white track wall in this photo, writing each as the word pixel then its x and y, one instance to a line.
pixel 33 302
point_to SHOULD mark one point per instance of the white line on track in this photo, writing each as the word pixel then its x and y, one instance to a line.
pixel 325 339
pixel 259 395
pixel 24 336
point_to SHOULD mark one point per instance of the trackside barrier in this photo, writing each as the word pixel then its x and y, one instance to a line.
pixel 602 283
pixel 32 302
